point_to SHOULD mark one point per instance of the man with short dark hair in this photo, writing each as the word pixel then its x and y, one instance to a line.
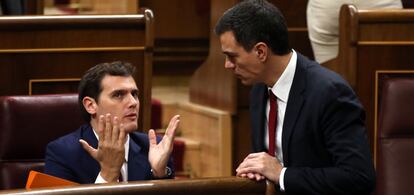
pixel 107 148
pixel 308 132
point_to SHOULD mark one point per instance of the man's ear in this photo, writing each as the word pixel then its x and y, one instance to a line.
pixel 90 105
pixel 261 50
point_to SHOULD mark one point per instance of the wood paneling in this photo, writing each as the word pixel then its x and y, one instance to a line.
pixel 295 15
pixel 212 129
pixel 217 186
pixel 44 86
pixel 181 35
pixel 61 47
pixel 372 40
pixel 373 58
pixel 211 84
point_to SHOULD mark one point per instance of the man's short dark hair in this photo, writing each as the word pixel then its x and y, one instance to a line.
pixel 254 21
pixel 90 84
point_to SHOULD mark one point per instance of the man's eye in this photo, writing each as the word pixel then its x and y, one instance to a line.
pixel 231 58
pixel 117 95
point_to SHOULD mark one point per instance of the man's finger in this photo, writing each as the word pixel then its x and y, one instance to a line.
pixel 169 137
pixel 256 155
pixel 122 134
pixel 152 138
pixel 101 127
pixel 91 151
pixel 171 129
pixel 108 127
pixel 248 163
pixel 172 126
pixel 251 175
pixel 258 177
pixel 115 130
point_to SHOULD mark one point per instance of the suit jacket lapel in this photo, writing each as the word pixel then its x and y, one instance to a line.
pixel 135 167
pixel 258 115
pixel 294 106
pixel 90 165
pixel 90 137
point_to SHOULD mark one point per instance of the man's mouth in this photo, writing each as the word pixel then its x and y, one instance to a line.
pixel 239 76
pixel 131 116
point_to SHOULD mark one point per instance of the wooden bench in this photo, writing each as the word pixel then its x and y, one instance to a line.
pixel 48 54
pixel 394 132
pixel 217 186
pixel 372 40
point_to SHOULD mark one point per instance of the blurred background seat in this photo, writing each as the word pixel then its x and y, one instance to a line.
pixel 27 124
pixel 395 137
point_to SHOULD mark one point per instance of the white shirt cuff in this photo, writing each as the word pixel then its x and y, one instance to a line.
pixel 100 179
pixel 282 179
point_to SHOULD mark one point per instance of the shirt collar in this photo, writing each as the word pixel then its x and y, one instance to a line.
pixel 282 86
pixel 126 144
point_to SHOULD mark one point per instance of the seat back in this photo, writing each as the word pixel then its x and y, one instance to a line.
pixel 369 41
pixel 27 124
pixel 395 137
pixel 49 54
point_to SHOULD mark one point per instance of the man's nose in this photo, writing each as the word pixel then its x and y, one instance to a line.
pixel 133 100
pixel 228 64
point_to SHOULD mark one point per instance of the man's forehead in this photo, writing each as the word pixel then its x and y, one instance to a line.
pixel 228 38
pixel 229 45
pixel 116 77
pixel 118 82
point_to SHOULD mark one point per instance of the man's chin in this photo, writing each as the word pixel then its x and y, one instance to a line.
pixel 131 127
pixel 246 82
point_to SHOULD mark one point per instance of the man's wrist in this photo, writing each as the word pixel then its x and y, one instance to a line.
pixel 100 179
pixel 166 174
pixel 110 175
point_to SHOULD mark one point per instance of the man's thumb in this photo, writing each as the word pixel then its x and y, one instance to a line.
pixel 92 151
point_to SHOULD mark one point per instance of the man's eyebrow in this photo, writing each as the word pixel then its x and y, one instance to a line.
pixel 229 53
pixel 134 90
pixel 119 91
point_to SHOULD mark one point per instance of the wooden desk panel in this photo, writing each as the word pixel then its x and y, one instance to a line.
pixel 64 47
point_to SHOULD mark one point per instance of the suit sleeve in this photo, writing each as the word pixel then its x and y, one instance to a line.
pixel 55 162
pixel 171 166
pixel 341 126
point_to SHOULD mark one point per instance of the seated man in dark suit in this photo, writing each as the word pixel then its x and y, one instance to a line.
pixel 308 130
pixel 107 148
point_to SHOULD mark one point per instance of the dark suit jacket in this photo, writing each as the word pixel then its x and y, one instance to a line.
pixel 65 157
pixel 324 142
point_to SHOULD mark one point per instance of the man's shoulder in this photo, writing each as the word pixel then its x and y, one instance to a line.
pixel 139 137
pixel 317 75
pixel 69 140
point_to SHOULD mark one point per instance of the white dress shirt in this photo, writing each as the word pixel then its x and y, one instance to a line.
pixel 281 90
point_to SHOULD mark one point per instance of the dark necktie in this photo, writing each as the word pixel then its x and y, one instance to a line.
pixel 272 122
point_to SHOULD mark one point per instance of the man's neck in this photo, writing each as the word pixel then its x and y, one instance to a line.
pixel 276 66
